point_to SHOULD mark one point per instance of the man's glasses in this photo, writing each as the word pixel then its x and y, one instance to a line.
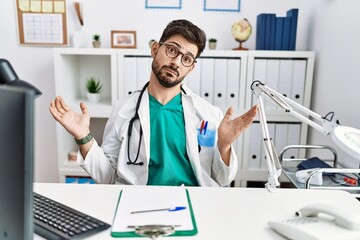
pixel 172 52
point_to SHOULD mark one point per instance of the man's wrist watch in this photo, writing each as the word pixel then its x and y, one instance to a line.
pixel 84 140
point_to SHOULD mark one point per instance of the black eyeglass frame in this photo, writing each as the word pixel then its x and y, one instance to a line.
pixel 178 52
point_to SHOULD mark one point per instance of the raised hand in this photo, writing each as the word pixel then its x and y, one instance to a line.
pixel 229 130
pixel 78 125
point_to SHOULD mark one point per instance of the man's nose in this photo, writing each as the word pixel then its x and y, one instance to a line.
pixel 177 60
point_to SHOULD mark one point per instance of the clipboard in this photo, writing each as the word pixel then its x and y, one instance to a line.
pixel 151 197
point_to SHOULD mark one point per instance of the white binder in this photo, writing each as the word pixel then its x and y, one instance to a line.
pixel 298 81
pixel 143 71
pixel 263 164
pixel 285 77
pixel 207 79
pixel 233 83
pixel 293 138
pixel 281 136
pixel 130 75
pixel 255 147
pixel 272 80
pixel 220 82
pixel 259 74
pixel 194 78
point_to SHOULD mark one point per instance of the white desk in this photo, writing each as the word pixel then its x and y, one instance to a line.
pixel 220 213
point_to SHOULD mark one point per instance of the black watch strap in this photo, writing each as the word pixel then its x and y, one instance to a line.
pixel 84 140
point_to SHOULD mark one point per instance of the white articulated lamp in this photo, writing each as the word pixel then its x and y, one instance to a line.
pixel 347 138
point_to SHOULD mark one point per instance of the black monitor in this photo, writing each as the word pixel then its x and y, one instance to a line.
pixel 16 162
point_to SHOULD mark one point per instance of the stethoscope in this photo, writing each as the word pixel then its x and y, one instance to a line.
pixel 131 124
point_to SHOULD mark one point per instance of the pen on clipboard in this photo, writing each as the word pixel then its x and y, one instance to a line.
pixel 174 209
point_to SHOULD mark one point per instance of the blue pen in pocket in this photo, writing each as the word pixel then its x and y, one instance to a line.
pixel 206 134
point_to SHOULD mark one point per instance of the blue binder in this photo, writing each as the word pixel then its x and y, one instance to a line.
pixel 293 14
pixel 286 33
pixel 279 33
pixel 260 31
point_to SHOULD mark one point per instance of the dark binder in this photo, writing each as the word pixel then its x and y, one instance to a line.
pixel 293 14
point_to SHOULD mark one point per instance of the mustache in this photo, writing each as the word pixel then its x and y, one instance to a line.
pixel 172 68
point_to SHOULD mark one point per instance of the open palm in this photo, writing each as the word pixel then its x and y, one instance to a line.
pixel 76 124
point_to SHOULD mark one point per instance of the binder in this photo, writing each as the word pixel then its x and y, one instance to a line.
pixel 272 80
pixel 260 66
pixel 298 81
pixel 135 199
pixel 207 79
pixel 279 33
pixel 263 163
pixel 285 77
pixel 260 31
pixel 130 73
pixel 270 31
pixel 255 148
pixel 281 136
pixel 220 73
pixel 272 20
pixel 286 33
pixel 293 14
pixel 192 80
pixel 293 139
pixel 233 83
pixel 143 71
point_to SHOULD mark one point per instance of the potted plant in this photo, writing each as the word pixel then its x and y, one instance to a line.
pixel 96 41
pixel 94 87
pixel 212 43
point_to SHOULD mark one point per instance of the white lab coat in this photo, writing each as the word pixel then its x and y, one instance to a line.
pixel 108 164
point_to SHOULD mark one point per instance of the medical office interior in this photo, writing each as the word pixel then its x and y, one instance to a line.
pixel 325 27
pixel 325 57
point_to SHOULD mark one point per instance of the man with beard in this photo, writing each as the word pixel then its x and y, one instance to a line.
pixel 164 134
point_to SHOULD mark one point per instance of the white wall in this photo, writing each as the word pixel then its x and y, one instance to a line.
pixel 325 26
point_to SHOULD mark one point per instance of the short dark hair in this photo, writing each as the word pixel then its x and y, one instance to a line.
pixel 188 30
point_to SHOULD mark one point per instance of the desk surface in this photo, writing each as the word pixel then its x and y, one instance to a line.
pixel 220 213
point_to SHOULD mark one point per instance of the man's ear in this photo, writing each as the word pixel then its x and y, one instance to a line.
pixel 154 48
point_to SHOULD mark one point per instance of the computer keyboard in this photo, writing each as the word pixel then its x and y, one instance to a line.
pixel 54 220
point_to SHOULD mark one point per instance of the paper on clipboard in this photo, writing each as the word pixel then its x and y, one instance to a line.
pixel 147 198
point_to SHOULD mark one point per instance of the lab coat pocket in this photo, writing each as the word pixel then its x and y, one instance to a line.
pixel 206 135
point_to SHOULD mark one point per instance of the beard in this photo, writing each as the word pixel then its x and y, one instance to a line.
pixel 165 78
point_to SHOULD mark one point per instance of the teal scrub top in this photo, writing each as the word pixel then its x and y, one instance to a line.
pixel 169 163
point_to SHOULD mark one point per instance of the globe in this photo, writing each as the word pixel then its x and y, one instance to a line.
pixel 241 31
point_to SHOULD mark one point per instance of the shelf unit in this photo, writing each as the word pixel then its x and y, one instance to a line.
pixel 222 77
pixel 291 74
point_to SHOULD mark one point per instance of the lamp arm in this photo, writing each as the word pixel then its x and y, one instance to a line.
pixel 304 114
pixel 272 159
